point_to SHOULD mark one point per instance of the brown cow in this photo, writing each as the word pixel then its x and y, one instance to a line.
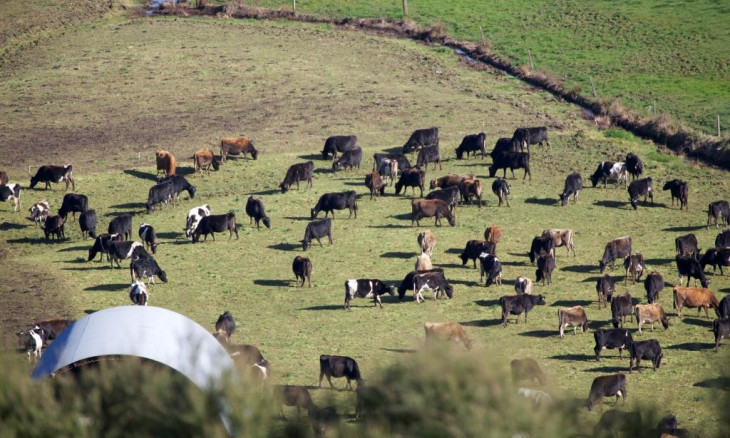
pixel 493 234
pixel 203 160
pixel 294 395
pixel 446 331
pixel 437 208
pixel 166 162
pixel 471 188
pixel 374 182
pixel 427 242
pixel 423 262
pixel 651 313
pixel 607 386
pixel 692 297
pixel 572 316
pixel 236 146
pixel 449 180
pixel 561 237
pixel 526 369
pixel 634 264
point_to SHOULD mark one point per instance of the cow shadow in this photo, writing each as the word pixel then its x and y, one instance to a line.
pixel 472 283
pixel 265 192
pixel 293 218
pixel 398 255
pixel 650 262
pixel 390 226
pixel 355 184
pixel 457 265
pixel 108 287
pixel 571 303
pixel 539 333
pixel 274 283
pixel 505 263
pixel 141 175
pixel 400 350
pixel 692 346
pixel 722 383
pixel 542 201
pixel 595 279
pixel 698 322
pixel 185 170
pixel 683 229
pixel 402 217
pixel 324 307
pixel 90 311
pixel 127 206
pixel 7 226
pixel 37 240
pixel 597 325
pixel 610 204
pixel 487 303
pixel 606 369
pixel 322 170
pixel 285 246
pixel 170 235
pixel 583 269
pixel 727 289
pixel 75 248
pixel 313 157
pixel 574 357
pixel 89 268
pixel 482 323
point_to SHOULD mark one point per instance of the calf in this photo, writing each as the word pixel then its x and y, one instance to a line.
pixel 612 338
pixel 617 248
pixel 316 230
pixel 179 183
pixel 338 366
pixel 53 174
pixel 653 284
pixel 374 182
pixel 329 202
pixel 524 137
pixel 526 369
pixel 421 138
pixel 203 160
pixel 691 297
pixel 146 267
pixel 11 192
pixel 349 159
pixel 518 304
pixel 679 190
pixel 121 225
pixel 101 245
pixel 402 160
pixel 338 143
pixel 561 237
pixel 607 386
pixel 407 283
pixel 389 170
pixel 449 195
pixel 54 226
pixel 39 211
pixel 687 246
pixel 124 249
pixel 226 324
pixel 716 257
pixel 87 222
pixel 471 188
pixel 640 187
pixel 718 210
pixel 723 240
pixel 491 269
pixel 427 242
pixel 609 170
pixel 471 143
pixel 651 313
pixel 302 268
pixel 493 234
pixel 432 280
pixel 545 268
pixel 447 332
pixel 621 307
pixel 500 187
pixel 366 288
pixel 412 177
pixel 541 245
pixel 138 293
pixel 573 185
pixel 634 165
pixel 31 341
pixel 294 395
pixel 473 250
pixel 511 160
pixel 256 211
pixel 435 208
pixel 165 162
pixel 645 350
pixel 423 262
pixel 194 217
pixel 450 180
pixel 523 285
pixel 605 289
pixel 429 154
pixel 295 173
pixel 162 193
pixel 149 237
pixel 72 204
pixel 250 356
pixel 721 329
pixel 635 265
pixel 690 267
pixel 572 316
pixel 237 146
pixel 216 223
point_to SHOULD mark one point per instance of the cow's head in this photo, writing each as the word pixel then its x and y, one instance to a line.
pixel 459 154
pixel 634 202
pixel 215 163
pixel 191 191
pixel 492 170
pixel 602 265
pixel 595 178
pixel 284 187
pixel 305 245
pixel 563 199
pixel 254 152
pixel 452 221
pixel 163 276
pixel 449 290
pixel 149 207
pixel 267 222
pixel 464 258
pixel 391 290
pixel 540 301
pixel 434 184
pixel 665 322
pixel 313 213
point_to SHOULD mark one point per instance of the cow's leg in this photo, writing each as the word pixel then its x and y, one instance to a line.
pixel 321 374
pixel 377 301
pixel 329 236
pixel 620 352
pixel 319 241
pixel 706 313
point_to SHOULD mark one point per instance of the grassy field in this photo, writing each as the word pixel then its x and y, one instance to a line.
pixel 105 98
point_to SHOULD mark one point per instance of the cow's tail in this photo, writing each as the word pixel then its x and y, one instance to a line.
pixel 674 300
pixel 355 371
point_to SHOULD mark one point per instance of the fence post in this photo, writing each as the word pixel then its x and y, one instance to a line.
pixel 484 40
pixel 294 6
pixel 654 106
pixel 718 126
pixel 530 55
pixel 405 7
pixel 593 87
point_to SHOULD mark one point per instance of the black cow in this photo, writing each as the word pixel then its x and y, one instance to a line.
pixel 87 222
pixel 518 304
pixel 11 192
pixel 573 185
pixel 723 240
pixel 179 183
pixel 491 268
pixel 255 210
pixel 412 177
pixel 679 190
pixel 149 237
pixel 216 223
pixel 609 170
pixel 640 187
pixel 163 192
pixel 716 257
pixel 329 202
pixel 295 173
pixel 649 349
pixel 433 280
pixel 724 307
pixel 338 143
pixel 72 204
pixel 449 195
pixel 54 226
pixel 407 283
pixel 500 187
pixel 607 386
pixel 101 245
pixel 338 366
pixel 503 145
pixel 604 288
pixel 367 288
pixel 721 329
pixel 621 307
pixel 471 143
pixel 541 245
pixel 545 267
pixel 146 267
pixel 421 138
pixel 226 324
pixel 524 137
pixel 612 338
pixel 687 246
pixel 349 159
pixel 402 160
pixel 121 225
pixel 718 210
pixel 511 160
pixel 474 248
pixel 315 230
pixel 690 267
pixel 125 249
pixel 53 174
pixel 654 283
pixel 634 165
pixel 302 268
pixel 617 248
pixel 429 154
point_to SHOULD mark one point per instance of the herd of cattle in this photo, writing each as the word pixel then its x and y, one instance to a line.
pixel 447 192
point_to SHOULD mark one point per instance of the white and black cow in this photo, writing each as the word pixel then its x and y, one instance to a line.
pixel 573 185
pixel 87 223
pixel 101 245
pixel 53 174
pixel 138 293
pixel 491 268
pixel 718 210
pixel 315 230
pixel 73 203
pixel 121 225
pixel 39 211
pixel 366 288
pixel 194 216
pixel 609 170
pixel 31 341
pixel 402 160
pixel 421 138
pixel 149 237
pixel 610 339
pixel 329 202
pixel 433 280
pixel 124 249
pixel 11 192
pixel 471 143
pixel 541 245
pixel 523 285
pixel 146 267
pixel 640 187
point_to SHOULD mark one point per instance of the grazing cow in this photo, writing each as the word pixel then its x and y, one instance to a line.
pixel 302 268
pixel 474 248
pixel 429 154
pixel 165 162
pixel 493 234
pixel 402 160
pixel 389 170
pixel 436 208
pixel 723 240
pixel 687 246
pixel 179 183
pixel 523 285
pixel 609 170
pixel 573 186
pixel 11 192
pixel 491 268
pixel 149 237
pixel 203 160
pixel 162 193
pixel 338 143
pixel 511 160
pixel 423 262
pixel 250 356
pixel 316 230
pixel 101 245
pixel 651 313
pixel 225 323
pixel 607 386
pixel 295 173
pixel 124 249
pixel 53 174
pixel 216 223
pixel 73 204
pixel 432 280
pixel 412 177
pixel 255 210
pixel 716 257
pixel 526 369
pixel 645 350
pixel 54 226
pixel 503 145
pixel 295 396
pixel 87 222
pixel 545 268
pixel 524 137
pixel 471 188
pixel 349 159
pixel 518 304
pixel 421 138
pixel 338 366
pixel 146 267
pixel 449 180
pixel 427 242
pixel 39 211
pixel 329 202
pixel 194 217
pixel 635 265
pixel 634 165
pixel 471 143
pixel 640 187
pixel 407 283
pixel 541 245
pixel 653 284
pixel 449 195
pixel 52 328
pixel 138 293
pixel 446 332
pixel 572 316
pixel 561 237
pixel 691 297
pixel 236 146
pixel 374 182
pixel 500 187
pixel 366 288
pixel 604 287
pixel 718 210
pixel 679 190
pixel 612 338
pixel 31 341
pixel 721 329
pixel 617 248
pixel 121 225
pixel 690 267
pixel 621 307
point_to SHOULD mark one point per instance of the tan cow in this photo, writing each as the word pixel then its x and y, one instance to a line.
pixel 651 313
pixel 471 188
pixel 446 331
pixel 294 395
pixel 427 242
pixel 572 316
pixel 692 297
pixel 203 160
pixel 423 262
pixel 165 162
pixel 449 180
pixel 526 369
pixel 374 182
pixel 561 237
pixel 493 234
pixel 236 146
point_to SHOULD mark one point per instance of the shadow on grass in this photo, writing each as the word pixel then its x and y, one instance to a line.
pixel 297 218
pixel 683 229
pixel 482 323
pixel 185 170
pixel 610 204
pixel 606 369
pixel 722 383
pixel 693 346
pixel 595 279
pixel 398 255
pixel 472 283
pixel 141 175
pixel 285 246
pixel 575 357
pixel 314 157
pixel 170 235
pixel 542 201
pixel 400 350
pixel 88 268
pixel 274 283
pixel 454 251
pixel 539 333
pixel 469 265
pixel 76 248
pixel 129 205
pixel 265 192
pixel 36 240
pixel 505 263
pixel 583 269
pixel 698 322
pixel 571 303
pixel 404 217
pixel 324 307
pixel 90 311
pixel 595 325
pixel 390 226
pixel 7 226
pixel 115 287
pixel 487 303
pixel 659 261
